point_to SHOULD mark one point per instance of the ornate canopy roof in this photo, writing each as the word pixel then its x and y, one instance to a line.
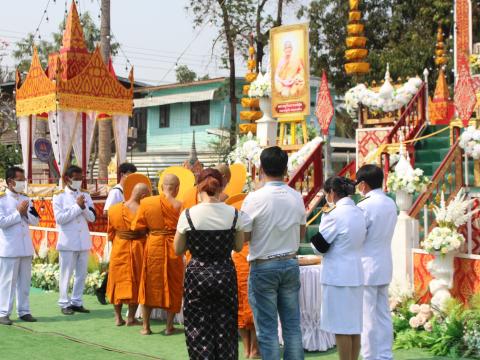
pixel 76 80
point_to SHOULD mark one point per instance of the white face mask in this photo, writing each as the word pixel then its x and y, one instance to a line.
pixel 76 184
pixel 330 203
pixel 19 186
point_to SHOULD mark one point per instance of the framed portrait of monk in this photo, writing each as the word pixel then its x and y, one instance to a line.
pixel 290 71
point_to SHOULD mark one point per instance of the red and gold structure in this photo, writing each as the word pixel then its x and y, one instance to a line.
pixel 356 42
pixel 252 112
pixel 75 91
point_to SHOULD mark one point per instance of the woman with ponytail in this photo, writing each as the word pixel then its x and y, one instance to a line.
pixel 210 231
pixel 340 239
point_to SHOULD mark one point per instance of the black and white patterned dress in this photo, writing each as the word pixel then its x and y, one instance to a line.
pixel 210 300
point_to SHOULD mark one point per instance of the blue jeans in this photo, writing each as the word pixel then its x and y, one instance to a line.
pixel 273 291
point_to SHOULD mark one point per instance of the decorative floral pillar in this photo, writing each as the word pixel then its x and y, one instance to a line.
pixel 266 126
pixel 442 270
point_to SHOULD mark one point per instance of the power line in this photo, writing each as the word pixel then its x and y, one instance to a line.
pixel 41 20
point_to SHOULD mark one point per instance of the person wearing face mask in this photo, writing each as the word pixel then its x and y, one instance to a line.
pixel 73 209
pixel 381 217
pixel 340 239
pixel 115 196
pixel 16 249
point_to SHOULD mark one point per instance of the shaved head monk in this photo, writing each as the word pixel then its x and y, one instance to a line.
pixel 161 284
pixel 126 258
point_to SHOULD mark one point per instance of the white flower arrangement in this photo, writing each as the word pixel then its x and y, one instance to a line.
pixel 247 151
pixel 423 315
pixel 445 237
pixel 298 158
pixel 456 213
pixel 46 277
pixel 261 87
pixel 385 101
pixel 443 240
pixel 470 142
pixel 409 182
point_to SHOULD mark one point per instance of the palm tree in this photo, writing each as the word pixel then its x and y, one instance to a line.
pixel 104 126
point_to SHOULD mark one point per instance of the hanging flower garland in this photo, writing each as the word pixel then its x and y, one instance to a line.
pixel 386 100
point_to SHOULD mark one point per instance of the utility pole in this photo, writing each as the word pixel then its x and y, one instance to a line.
pixel 104 125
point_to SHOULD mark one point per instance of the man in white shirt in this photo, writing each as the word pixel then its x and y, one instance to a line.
pixel 16 249
pixel 115 196
pixel 381 217
pixel 73 209
pixel 278 223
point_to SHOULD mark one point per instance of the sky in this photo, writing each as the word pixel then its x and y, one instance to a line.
pixel 152 34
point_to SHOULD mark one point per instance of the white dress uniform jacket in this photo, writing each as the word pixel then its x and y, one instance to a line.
pixel 72 221
pixel 115 196
pixel 381 217
pixel 344 229
pixel 15 238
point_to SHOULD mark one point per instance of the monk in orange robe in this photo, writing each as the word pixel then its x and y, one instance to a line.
pixel 126 258
pixel 246 327
pixel 161 284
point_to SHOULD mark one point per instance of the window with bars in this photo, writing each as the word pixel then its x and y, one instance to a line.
pixel 200 113
pixel 164 116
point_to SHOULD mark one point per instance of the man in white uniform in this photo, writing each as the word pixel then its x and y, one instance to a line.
pixel 16 249
pixel 115 196
pixel 73 209
pixel 381 217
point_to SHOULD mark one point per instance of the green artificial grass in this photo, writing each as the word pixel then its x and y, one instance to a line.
pixel 94 336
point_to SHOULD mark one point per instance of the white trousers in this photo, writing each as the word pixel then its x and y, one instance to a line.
pixel 72 263
pixel 377 335
pixel 15 279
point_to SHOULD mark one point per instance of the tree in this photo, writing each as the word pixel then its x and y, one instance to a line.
pixel 9 156
pixel 264 21
pixel 231 17
pixel 184 74
pixel 399 32
pixel 23 49
pixel 104 126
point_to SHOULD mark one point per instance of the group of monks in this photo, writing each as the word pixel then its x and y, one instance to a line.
pixel 143 266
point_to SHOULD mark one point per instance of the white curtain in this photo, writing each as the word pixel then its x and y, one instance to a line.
pixel 24 128
pixel 77 145
pixel 120 131
pixel 62 125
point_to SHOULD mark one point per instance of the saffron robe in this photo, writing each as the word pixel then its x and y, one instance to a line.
pixel 126 258
pixel 245 314
pixel 161 284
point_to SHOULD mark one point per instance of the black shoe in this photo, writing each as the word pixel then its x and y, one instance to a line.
pixel 79 309
pixel 28 318
pixel 67 311
pixel 5 320
pixel 101 297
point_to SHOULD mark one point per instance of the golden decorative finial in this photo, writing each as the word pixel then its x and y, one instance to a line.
pixel 440 53
pixel 356 52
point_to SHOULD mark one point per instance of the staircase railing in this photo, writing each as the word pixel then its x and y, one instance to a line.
pixel 308 179
pixel 409 125
pixel 349 170
pixel 448 178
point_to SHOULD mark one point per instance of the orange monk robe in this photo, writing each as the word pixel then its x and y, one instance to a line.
pixel 245 315
pixel 126 258
pixel 161 284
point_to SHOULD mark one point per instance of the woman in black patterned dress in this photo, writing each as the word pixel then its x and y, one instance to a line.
pixel 210 231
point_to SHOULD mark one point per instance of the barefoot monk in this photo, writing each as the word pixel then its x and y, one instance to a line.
pixel 126 258
pixel 161 284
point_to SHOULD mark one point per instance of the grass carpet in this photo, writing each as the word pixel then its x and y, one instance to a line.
pixel 94 336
